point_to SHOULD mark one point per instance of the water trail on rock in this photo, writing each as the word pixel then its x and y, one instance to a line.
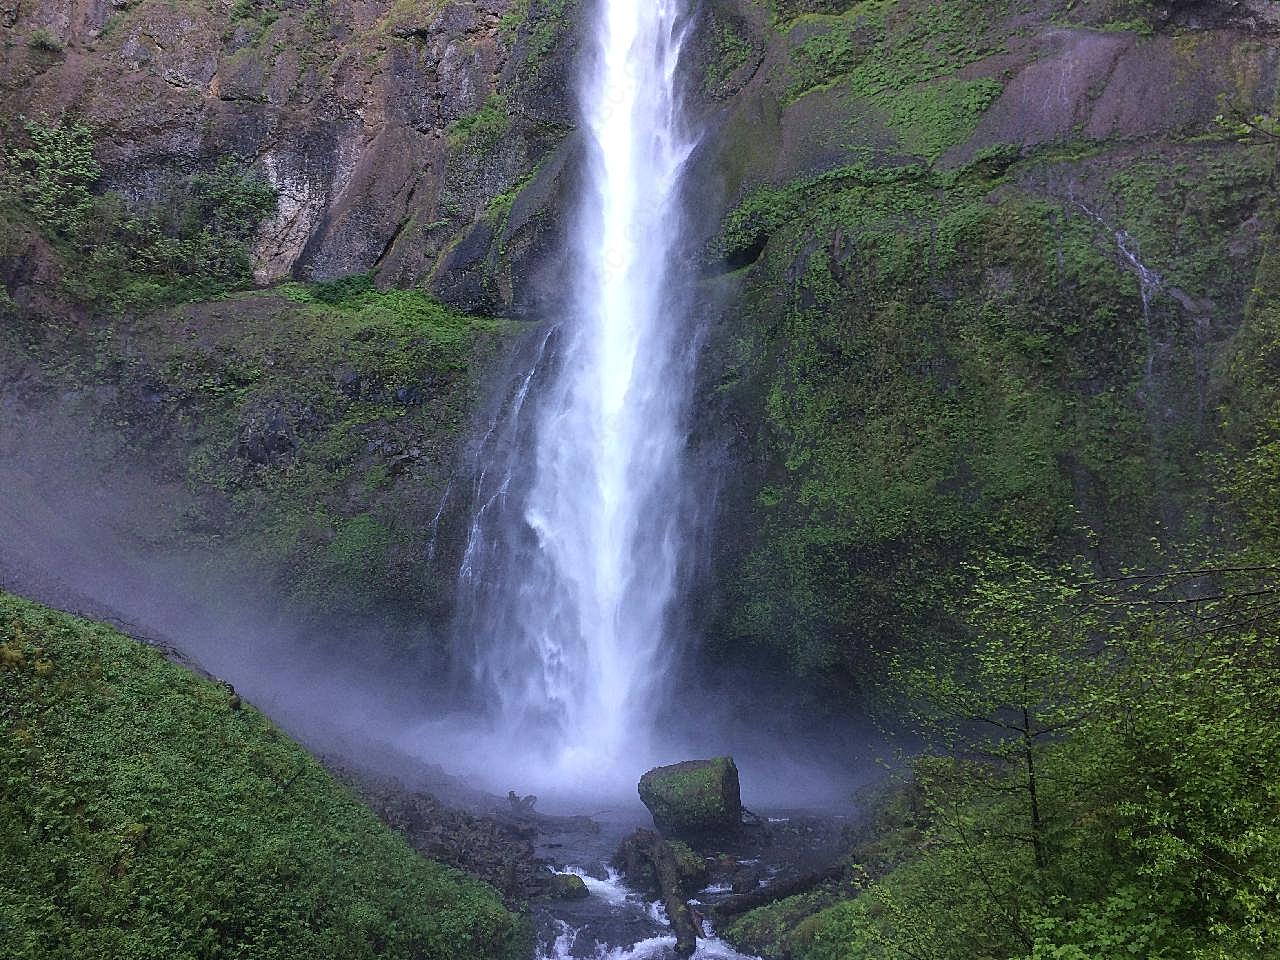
pixel 573 558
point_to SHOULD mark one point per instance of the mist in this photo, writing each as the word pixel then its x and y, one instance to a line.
pixel 81 537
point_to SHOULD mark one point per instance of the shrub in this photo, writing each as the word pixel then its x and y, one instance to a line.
pixel 191 240
pixel 44 41
pixel 148 813
pixel 54 176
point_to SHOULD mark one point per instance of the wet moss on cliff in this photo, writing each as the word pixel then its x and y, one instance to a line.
pixel 150 813
pixel 945 362
pixel 312 429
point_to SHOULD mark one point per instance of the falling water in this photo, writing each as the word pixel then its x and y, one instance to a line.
pixel 573 558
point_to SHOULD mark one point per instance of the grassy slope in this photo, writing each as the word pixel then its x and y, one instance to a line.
pixel 146 815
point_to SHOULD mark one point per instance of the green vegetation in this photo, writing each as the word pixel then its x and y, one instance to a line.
pixel 900 58
pixel 914 411
pixel 330 393
pixel 190 242
pixel 54 175
pixel 947 365
pixel 540 25
pixel 485 127
pixel 976 419
pixel 42 41
pixel 149 814
pixel 316 414
pixel 879 47
pixel 301 411
pixel 732 50
pixel 1099 786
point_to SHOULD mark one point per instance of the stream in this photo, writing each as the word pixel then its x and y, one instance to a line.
pixel 615 922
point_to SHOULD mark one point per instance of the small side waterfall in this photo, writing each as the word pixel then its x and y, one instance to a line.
pixel 573 557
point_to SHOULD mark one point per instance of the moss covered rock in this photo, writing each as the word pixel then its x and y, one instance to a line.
pixel 696 798
pixel 568 886
pixel 638 853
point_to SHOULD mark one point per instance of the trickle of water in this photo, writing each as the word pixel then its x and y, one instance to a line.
pixel 571 567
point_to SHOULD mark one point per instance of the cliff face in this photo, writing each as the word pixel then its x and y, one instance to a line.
pixel 387 128
pixel 300 442
pixel 986 270
pixel 976 275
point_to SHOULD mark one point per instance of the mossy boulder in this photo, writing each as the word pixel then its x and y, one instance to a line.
pixel 568 886
pixel 694 799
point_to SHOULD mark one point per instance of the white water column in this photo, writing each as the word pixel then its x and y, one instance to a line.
pixel 576 645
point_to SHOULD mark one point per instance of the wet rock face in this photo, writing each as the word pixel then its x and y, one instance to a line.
pixel 695 799
pixel 353 111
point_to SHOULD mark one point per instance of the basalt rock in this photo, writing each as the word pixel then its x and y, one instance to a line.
pixel 696 799
pixel 568 886
pixel 362 116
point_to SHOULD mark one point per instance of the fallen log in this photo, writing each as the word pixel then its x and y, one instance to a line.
pixel 741 903
pixel 678 912
pixel 662 875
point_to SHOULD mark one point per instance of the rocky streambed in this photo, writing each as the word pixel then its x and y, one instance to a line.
pixel 620 914
pixel 591 873
pixel 603 883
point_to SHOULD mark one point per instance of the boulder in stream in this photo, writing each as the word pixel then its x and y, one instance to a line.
pixel 696 799
pixel 568 886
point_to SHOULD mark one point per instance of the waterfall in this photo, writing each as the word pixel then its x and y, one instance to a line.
pixel 572 563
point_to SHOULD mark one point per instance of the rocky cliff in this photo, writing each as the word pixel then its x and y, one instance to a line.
pixel 387 128
pixel 986 269
pixel 162 157
pixel 976 276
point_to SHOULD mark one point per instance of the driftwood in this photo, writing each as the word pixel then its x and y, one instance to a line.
pixel 649 863
pixel 732 906
pixel 519 818
pixel 678 912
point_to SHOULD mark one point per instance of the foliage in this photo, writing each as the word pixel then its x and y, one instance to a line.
pixel 323 417
pixel 191 241
pixel 1151 829
pixel 731 50
pixel 54 175
pixel 483 128
pixel 149 814
pixel 942 362
pixel 878 47
pixel 914 411
pixel 43 41
pixel 540 25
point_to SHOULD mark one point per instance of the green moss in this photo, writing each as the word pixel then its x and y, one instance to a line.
pixel 938 367
pixel 879 47
pixel 483 128
pixel 693 798
pixel 324 417
pixel 731 51
pixel 537 27
pixel 934 116
pixel 774 930
pixel 149 815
